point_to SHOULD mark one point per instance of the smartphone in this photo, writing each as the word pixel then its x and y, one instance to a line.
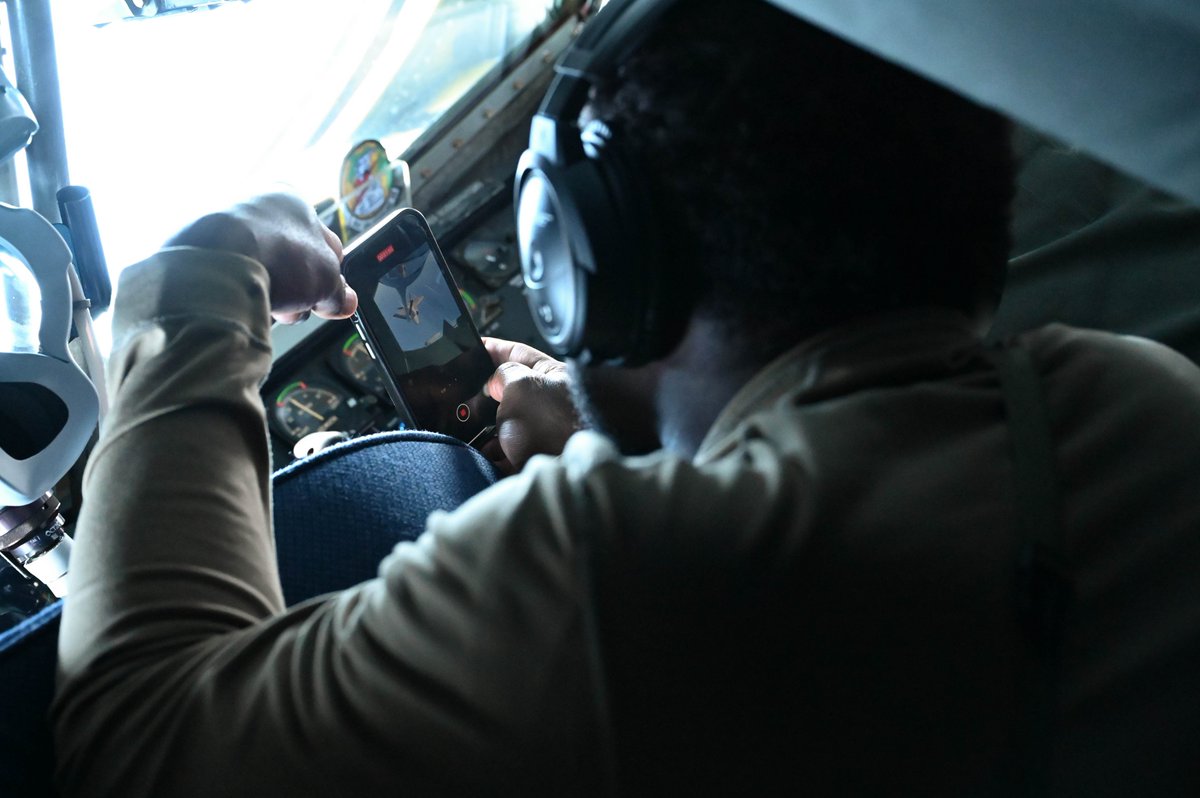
pixel 417 327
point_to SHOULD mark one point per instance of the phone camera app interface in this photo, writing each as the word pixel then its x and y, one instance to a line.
pixel 441 365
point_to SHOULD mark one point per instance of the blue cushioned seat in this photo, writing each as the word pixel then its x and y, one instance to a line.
pixel 339 512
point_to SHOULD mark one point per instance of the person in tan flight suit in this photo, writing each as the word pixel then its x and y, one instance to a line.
pixel 790 555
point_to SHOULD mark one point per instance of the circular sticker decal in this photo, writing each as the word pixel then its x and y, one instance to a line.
pixel 366 180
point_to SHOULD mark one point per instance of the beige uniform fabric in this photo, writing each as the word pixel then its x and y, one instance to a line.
pixel 867 470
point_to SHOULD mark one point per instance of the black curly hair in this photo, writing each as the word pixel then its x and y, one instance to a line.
pixel 805 181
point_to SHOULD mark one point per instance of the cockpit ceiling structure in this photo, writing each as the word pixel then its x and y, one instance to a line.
pixel 1118 78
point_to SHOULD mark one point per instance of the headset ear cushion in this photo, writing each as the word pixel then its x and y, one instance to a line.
pixel 615 296
pixel 649 280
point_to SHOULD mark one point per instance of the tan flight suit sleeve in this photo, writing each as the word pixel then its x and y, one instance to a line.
pixel 462 669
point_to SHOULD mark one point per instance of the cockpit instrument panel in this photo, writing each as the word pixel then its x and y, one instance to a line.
pixel 302 409
pixel 326 384
pixel 354 360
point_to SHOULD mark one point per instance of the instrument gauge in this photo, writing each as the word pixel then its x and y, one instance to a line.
pixel 301 409
pixel 357 364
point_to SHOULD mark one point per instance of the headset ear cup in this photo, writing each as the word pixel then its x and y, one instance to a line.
pixel 555 253
pixel 616 302
pixel 596 277
pixel 649 285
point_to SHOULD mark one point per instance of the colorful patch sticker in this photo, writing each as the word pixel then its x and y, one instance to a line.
pixel 366 181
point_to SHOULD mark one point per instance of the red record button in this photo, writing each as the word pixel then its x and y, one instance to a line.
pixel 463 412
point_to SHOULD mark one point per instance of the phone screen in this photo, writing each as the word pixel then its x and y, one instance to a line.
pixel 412 314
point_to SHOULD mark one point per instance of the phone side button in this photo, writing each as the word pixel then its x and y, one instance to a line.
pixel 370 351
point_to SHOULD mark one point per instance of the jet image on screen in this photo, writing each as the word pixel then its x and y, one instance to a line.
pixel 422 312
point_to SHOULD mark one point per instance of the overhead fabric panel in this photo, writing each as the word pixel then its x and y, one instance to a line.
pixel 1118 78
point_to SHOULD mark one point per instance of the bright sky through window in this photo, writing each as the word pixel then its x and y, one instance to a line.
pixel 171 117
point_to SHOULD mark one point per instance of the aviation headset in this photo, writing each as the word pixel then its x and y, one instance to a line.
pixel 597 278
pixel 48 407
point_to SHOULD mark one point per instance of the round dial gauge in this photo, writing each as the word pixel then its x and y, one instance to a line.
pixel 358 364
pixel 301 409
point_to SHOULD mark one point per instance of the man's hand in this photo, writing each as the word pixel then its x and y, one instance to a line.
pixel 303 257
pixel 536 414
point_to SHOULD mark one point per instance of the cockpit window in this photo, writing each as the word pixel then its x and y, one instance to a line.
pixel 167 118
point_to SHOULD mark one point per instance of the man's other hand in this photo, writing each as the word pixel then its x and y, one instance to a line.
pixel 536 414
pixel 302 256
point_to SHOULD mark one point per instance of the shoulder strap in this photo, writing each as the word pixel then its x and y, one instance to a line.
pixel 1043 589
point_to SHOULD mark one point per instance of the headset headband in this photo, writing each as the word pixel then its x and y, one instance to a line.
pixel 606 42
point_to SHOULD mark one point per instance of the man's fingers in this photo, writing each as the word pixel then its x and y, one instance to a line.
pixel 494 452
pixel 503 351
pixel 340 304
pixel 333 241
pixel 292 318
pixel 536 414
pixel 506 374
